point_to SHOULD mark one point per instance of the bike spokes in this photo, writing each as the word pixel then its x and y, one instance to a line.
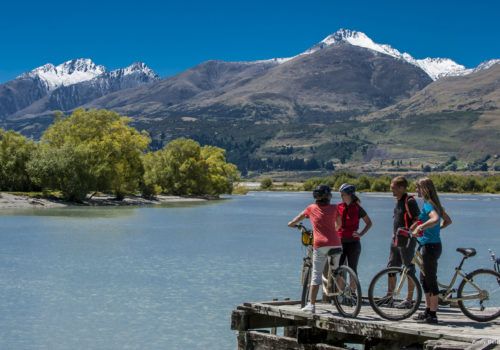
pixel 346 291
pixel 394 295
pixel 480 296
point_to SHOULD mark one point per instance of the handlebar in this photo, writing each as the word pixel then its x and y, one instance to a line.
pixel 301 227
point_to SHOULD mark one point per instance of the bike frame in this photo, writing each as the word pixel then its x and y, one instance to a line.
pixel 417 260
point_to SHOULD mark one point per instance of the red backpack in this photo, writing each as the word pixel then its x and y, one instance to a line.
pixel 407 217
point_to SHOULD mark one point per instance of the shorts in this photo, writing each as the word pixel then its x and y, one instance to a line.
pixel 320 256
pixel 399 256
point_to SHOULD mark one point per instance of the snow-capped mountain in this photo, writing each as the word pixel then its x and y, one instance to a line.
pixel 435 67
pixel 67 73
pixel 135 69
pixel 68 85
pixel 486 65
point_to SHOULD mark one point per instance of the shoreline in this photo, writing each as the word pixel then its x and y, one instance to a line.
pixel 20 201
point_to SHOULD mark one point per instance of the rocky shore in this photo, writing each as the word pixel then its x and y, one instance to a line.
pixel 18 201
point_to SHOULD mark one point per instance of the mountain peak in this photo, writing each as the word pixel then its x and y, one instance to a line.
pixel 434 67
pixel 137 68
pixel 67 73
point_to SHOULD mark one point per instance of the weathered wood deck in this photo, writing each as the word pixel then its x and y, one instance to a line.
pixel 326 329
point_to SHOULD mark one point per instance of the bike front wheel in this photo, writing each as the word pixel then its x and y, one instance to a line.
pixel 394 294
pixel 306 281
pixel 346 291
pixel 479 295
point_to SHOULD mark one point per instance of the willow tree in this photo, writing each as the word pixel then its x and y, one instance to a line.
pixel 183 167
pixel 15 152
pixel 94 150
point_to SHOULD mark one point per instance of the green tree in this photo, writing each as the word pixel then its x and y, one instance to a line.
pixel 94 150
pixel 15 152
pixel 266 183
pixel 183 167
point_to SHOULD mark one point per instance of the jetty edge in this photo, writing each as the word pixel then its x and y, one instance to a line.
pixel 281 325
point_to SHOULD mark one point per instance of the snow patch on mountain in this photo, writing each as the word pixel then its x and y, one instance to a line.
pixel 136 68
pixel 486 65
pixel 83 69
pixel 67 73
pixel 436 68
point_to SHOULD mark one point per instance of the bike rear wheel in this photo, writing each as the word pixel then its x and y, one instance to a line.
pixel 483 287
pixel 401 303
pixel 306 281
pixel 346 291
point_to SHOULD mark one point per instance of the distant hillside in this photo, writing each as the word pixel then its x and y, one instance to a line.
pixel 454 115
pixel 346 100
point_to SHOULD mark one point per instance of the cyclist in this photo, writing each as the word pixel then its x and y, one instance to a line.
pixel 406 212
pixel 349 213
pixel 323 217
pixel 433 218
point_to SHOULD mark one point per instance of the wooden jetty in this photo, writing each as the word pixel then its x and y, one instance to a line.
pixel 257 325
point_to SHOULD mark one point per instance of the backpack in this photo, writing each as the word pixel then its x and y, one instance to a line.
pixel 407 217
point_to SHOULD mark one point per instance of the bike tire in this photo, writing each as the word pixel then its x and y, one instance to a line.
pixel 305 287
pixel 341 305
pixel 382 306
pixel 467 311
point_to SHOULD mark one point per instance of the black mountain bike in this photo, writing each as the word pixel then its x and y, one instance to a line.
pixel 340 285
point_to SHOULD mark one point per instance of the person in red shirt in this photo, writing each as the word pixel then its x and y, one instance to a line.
pixel 323 217
pixel 349 214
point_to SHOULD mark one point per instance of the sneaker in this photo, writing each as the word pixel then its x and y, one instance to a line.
pixel 309 308
pixel 420 316
pixel 428 319
pixel 405 304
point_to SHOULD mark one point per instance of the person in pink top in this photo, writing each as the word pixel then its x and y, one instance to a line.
pixel 323 217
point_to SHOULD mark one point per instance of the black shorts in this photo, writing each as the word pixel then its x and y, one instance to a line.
pixel 399 256
pixel 430 255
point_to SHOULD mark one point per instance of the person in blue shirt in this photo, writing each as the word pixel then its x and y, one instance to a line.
pixel 432 219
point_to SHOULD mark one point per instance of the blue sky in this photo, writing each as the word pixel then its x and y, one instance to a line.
pixel 171 36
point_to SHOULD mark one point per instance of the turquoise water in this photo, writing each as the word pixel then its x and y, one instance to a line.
pixel 168 277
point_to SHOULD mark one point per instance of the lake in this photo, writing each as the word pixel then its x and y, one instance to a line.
pixel 168 277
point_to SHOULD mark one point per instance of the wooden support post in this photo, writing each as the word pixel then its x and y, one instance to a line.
pixel 290 332
pixel 260 341
pixel 274 329
pixel 311 335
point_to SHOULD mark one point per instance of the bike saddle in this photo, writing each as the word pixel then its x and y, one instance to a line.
pixel 335 251
pixel 467 252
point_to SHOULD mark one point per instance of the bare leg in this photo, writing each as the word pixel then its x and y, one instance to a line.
pixel 411 288
pixel 427 300
pixel 433 302
pixel 314 293
pixel 391 285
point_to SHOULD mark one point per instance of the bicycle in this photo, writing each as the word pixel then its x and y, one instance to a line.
pixel 477 296
pixel 341 285
pixel 496 261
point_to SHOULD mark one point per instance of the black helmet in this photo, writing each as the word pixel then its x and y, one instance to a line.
pixel 346 188
pixel 322 192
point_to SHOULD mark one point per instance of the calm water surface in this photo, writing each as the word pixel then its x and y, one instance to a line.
pixel 168 277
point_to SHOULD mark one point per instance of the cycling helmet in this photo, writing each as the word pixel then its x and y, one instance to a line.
pixel 346 188
pixel 322 192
